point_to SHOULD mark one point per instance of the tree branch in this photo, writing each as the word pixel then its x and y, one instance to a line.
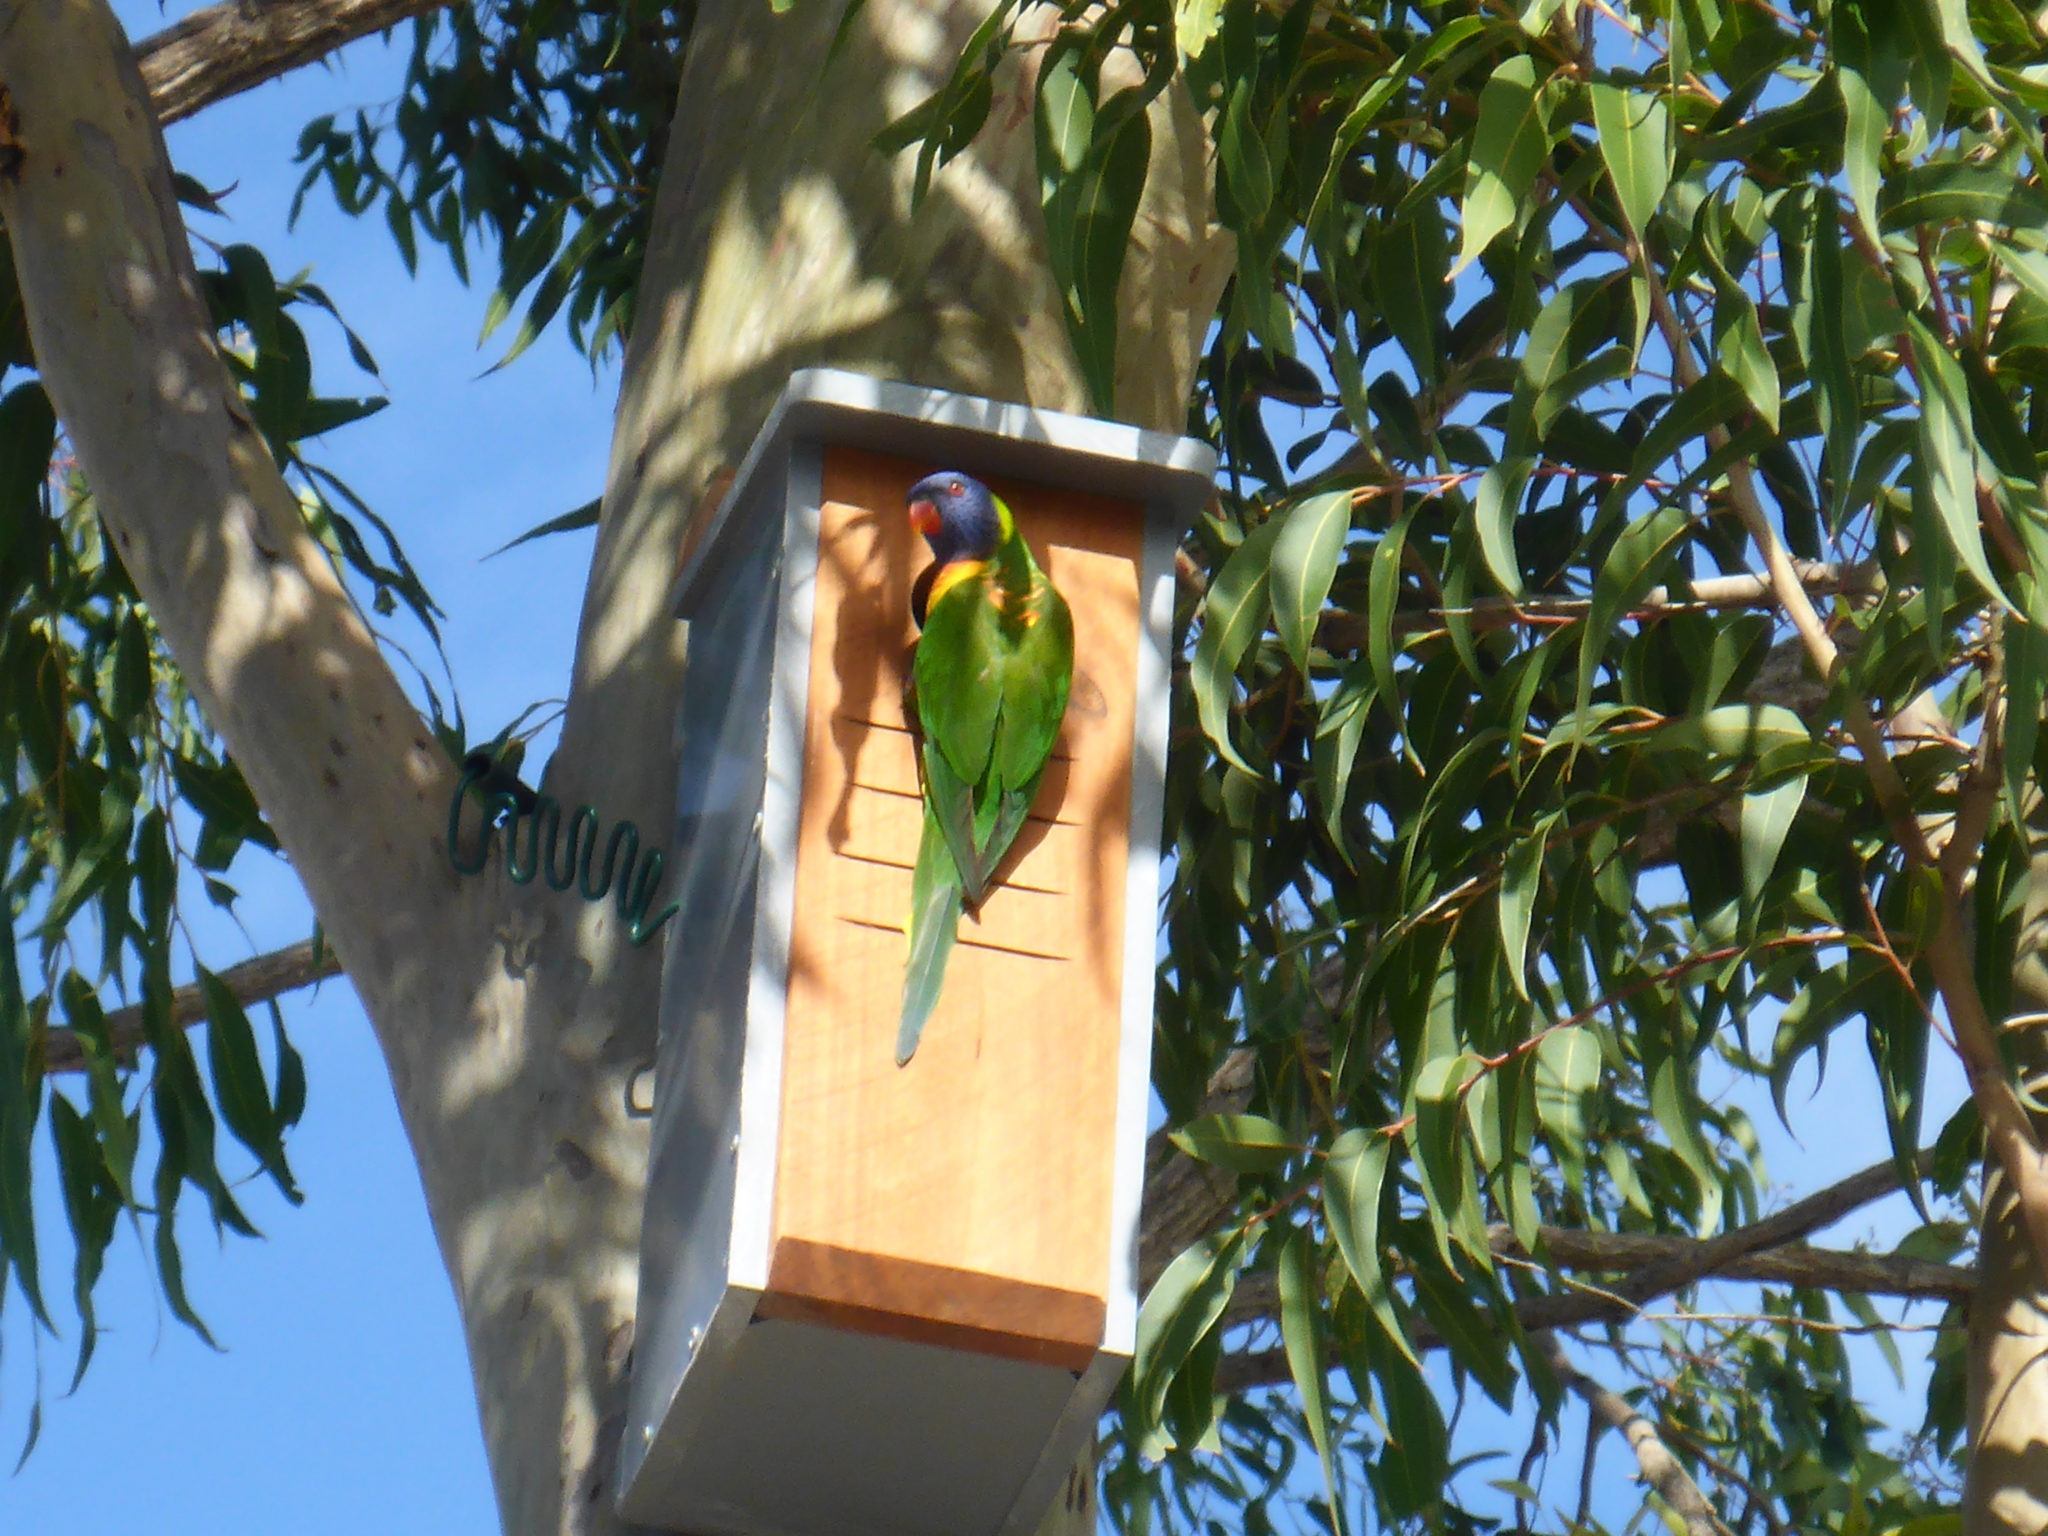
pixel 1697 1259
pixel 1848 1272
pixel 240 44
pixel 1660 1469
pixel 2008 1132
pixel 1341 631
pixel 255 980
pixel 1794 1264
pixel 1767 1251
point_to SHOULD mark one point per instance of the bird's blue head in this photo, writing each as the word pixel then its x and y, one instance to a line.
pixel 958 516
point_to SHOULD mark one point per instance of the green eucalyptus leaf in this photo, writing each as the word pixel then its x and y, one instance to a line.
pixel 1383 592
pixel 1635 140
pixel 1498 502
pixel 1964 192
pixel 92 1207
pixel 1443 1165
pixel 1521 875
pixel 1413 1464
pixel 1304 562
pixel 1472 1337
pixel 1241 1143
pixel 1947 456
pixel 1246 167
pixel 1304 1334
pixel 1674 1102
pixel 1195 23
pixel 1233 615
pixel 2026 675
pixel 21 1097
pixel 1638 559
pixel 1767 816
pixel 1897 1028
pixel 1354 1177
pixel 1739 344
pixel 238 1086
pixel 1181 1307
pixel 575 519
pixel 1825 344
pixel 1508 147
pixel 1408 276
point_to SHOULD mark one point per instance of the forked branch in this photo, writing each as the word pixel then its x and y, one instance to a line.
pixel 1660 1469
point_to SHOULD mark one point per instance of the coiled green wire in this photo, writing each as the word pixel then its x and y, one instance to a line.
pixel 633 889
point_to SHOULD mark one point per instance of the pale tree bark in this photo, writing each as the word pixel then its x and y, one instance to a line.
pixel 513 1022
pixel 212 536
pixel 2006 1490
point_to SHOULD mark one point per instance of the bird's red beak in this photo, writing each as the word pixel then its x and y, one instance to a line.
pixel 924 517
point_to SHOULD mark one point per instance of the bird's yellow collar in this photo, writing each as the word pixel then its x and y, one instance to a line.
pixel 949 576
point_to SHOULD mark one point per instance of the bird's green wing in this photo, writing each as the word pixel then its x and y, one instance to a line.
pixel 949 804
pixel 958 668
pixel 1012 806
pixel 1036 676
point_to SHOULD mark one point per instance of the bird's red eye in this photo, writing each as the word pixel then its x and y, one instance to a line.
pixel 955 488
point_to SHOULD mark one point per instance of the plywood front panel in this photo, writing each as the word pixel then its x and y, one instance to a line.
pixel 964 1198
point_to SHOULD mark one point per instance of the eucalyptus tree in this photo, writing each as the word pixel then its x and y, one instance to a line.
pixel 1613 667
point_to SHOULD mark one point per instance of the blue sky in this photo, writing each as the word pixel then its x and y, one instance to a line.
pixel 341 1401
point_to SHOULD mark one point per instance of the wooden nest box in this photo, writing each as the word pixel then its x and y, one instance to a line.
pixel 874 1300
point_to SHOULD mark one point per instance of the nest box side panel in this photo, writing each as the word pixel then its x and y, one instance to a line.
pixel 966 1198
pixel 691 1183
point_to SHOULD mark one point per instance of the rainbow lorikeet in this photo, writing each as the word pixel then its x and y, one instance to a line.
pixel 995 659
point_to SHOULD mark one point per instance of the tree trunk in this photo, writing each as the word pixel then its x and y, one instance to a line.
pixel 514 1021
pixel 2006 1493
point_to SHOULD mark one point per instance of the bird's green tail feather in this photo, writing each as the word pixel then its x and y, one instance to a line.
pixel 977 836
pixel 934 923
pixel 949 805
pixel 1013 806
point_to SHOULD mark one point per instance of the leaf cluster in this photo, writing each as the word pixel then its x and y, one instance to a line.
pixel 1500 841
pixel 121 808
pixel 534 129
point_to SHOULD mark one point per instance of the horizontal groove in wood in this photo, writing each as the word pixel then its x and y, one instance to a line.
pixel 1032 922
pixel 970 940
pixel 884 828
pixel 893 862
pixel 916 797
pixel 883 760
pixel 897 728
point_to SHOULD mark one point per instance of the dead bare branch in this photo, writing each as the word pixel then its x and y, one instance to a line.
pixel 240 44
pixel 253 981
